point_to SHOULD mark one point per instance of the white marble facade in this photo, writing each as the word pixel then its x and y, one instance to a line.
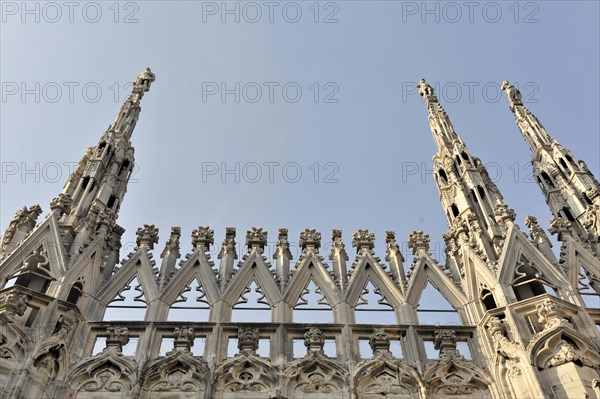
pixel 523 328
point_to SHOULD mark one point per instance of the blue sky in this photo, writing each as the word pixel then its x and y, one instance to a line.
pixel 359 121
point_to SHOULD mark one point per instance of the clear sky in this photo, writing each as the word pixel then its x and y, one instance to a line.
pixel 359 121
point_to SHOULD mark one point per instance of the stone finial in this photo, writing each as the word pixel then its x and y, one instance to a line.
pixel 379 342
pixel 172 243
pixel 427 92
pixel 256 238
pixel 144 80
pixel 310 238
pixel 13 305
pixel 283 245
pixel 183 339
pixel 392 245
pixel 514 95
pixel 61 204
pixel 445 340
pixel 228 246
pixel 337 245
pixel 25 218
pixel 248 340
pixel 504 214
pixel 418 242
pixel 314 340
pixel 362 239
pixel 147 236
pixel 536 231
pixel 116 338
pixel 560 226
pixel 203 238
pixel 106 220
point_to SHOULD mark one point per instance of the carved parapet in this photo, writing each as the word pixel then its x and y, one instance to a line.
pixel 116 338
pixel 256 238
pixel 147 236
pixel 310 238
pixel 203 238
pixel 283 245
pixel 418 242
pixel 248 340
pixel 593 192
pixel 314 340
pixel 362 239
pixel 379 342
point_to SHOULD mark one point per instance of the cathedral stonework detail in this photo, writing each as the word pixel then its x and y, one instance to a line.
pixel 78 321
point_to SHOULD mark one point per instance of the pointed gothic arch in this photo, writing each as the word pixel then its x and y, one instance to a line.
pixel 191 304
pixel 129 303
pixel 372 307
pixel 311 271
pixel 423 275
pixel 195 267
pixel 253 269
pixel 252 305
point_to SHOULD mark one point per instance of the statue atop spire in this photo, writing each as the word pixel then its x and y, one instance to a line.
pixel 426 91
pixel 514 95
pixel 468 194
pixel 144 80
pixel 567 185
pixel 100 181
